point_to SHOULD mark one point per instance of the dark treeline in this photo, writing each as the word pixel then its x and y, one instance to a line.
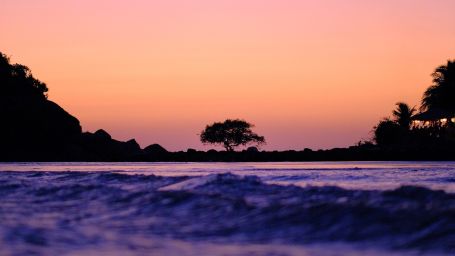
pixel 34 128
pixel 432 130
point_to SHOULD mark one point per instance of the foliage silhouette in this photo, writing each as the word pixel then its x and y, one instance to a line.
pixel 441 94
pixel 434 132
pixel 37 129
pixel 230 133
pixel 388 132
pixel 403 115
pixel 17 78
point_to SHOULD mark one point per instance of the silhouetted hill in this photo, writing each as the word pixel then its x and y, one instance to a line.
pixel 36 129
pixel 99 146
pixel 32 126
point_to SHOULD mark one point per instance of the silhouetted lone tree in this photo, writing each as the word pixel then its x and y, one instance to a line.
pixel 441 95
pixel 231 134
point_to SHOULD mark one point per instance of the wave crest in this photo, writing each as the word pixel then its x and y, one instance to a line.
pixel 219 206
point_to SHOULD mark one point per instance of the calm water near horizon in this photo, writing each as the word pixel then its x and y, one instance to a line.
pixel 274 208
pixel 350 175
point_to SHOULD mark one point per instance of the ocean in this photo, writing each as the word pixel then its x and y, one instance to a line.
pixel 290 208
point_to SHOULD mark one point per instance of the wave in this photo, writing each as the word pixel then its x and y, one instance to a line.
pixel 81 209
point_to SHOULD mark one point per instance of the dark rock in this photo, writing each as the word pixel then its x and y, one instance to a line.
pixel 252 150
pixel 33 128
pixel 155 149
pixel 102 134
pixel 132 146
pixel 36 129
pixel 100 147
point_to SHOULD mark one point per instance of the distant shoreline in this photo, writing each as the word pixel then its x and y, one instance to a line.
pixel 38 130
pixel 354 153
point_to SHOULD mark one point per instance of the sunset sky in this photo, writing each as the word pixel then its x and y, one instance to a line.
pixel 316 74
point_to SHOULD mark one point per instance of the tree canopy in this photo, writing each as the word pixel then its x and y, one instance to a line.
pixel 18 79
pixel 388 132
pixel 441 94
pixel 230 133
pixel 437 110
pixel 403 114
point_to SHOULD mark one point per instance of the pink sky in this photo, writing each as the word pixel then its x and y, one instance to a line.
pixel 316 74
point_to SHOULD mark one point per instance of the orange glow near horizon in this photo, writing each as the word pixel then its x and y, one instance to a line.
pixel 316 74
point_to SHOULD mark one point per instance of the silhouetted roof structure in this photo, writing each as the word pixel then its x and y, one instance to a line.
pixel 430 115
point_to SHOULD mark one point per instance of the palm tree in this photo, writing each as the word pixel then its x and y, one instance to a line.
pixel 441 94
pixel 403 115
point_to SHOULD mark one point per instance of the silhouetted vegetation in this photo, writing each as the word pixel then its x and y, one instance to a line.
pixel 388 132
pixel 37 129
pixel 431 129
pixel 17 78
pixel 230 134
pixel 441 94
pixel 403 115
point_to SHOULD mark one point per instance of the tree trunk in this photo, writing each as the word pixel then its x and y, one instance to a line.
pixel 228 147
